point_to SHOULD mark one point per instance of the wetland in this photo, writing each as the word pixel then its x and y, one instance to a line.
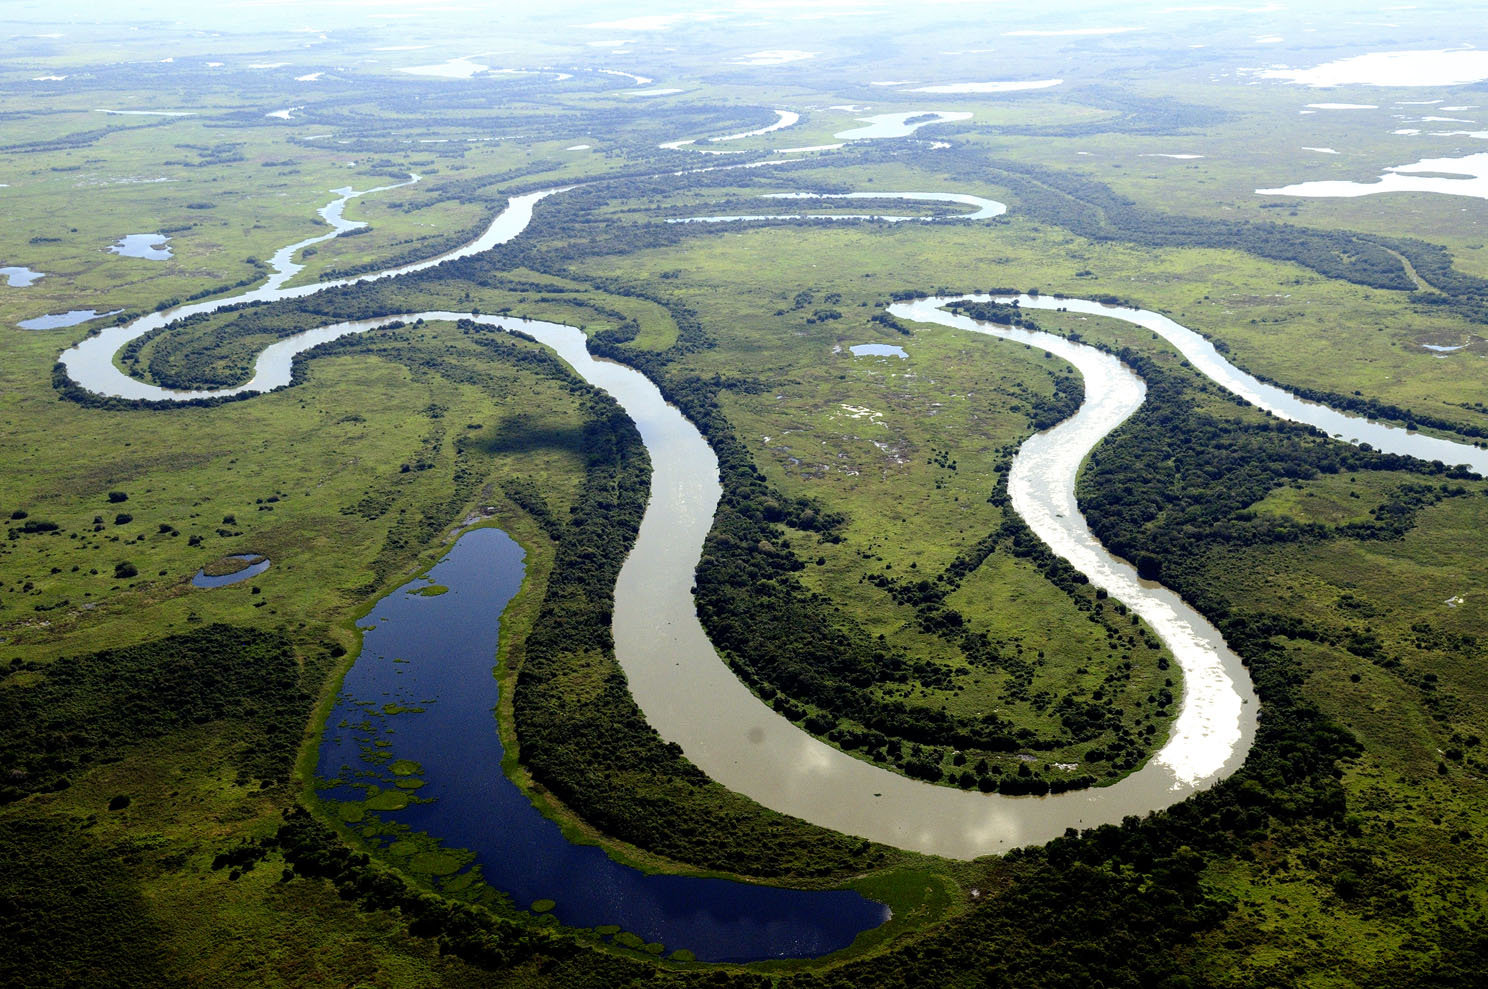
pixel 708 575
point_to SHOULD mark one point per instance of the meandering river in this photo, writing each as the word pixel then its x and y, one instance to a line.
pixel 734 737
pixel 1199 352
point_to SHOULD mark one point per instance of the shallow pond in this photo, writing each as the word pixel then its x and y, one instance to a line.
pixel 427 657
pixel 150 247
pixel 20 277
pixel 876 350
pixel 253 569
pixel 1465 176
pixel 885 125
pixel 58 320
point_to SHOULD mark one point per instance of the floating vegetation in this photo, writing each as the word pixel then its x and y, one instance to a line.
pixel 387 800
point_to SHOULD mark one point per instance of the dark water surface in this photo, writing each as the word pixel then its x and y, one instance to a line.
pixel 435 653
pixel 236 577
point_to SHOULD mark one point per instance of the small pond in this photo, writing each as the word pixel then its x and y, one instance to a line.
pixel 20 277
pixel 56 321
pixel 415 720
pixel 877 350
pixel 886 125
pixel 255 565
pixel 151 247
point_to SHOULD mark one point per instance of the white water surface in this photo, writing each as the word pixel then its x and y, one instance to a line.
pixel 463 67
pixel 1450 67
pixel 989 87
pixel 878 350
pixel 783 119
pixel 887 125
pixel 638 80
pixel 20 277
pixel 1472 169
pixel 773 56
pixel 150 247
pixel 60 320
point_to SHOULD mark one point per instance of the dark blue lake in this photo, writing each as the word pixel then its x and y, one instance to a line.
pixel 435 653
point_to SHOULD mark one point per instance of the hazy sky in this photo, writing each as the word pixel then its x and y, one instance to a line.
pixel 1074 32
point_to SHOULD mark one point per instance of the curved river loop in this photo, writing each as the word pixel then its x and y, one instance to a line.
pixel 688 693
